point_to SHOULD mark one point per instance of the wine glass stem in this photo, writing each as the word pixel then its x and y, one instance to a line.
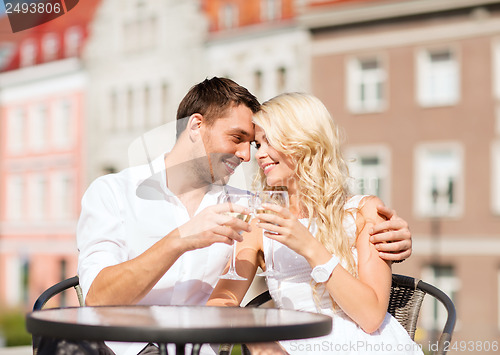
pixel 233 258
pixel 271 258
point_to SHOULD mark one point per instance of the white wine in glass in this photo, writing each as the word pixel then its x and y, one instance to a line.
pixel 242 216
pixel 271 197
pixel 244 200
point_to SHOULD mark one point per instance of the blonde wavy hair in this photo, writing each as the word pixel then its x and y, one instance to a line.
pixel 300 126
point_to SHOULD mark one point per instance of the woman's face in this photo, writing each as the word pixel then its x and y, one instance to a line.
pixel 278 167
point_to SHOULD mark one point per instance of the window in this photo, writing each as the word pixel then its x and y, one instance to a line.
pixel 369 167
pixel 16 193
pixel 131 33
pixel 12 277
pixel 438 77
pixel 6 50
pixel 50 47
pixel 366 81
pixel 164 102
pixel 38 127
pixel 63 275
pixel 25 280
pixel 439 182
pixel 64 194
pixel 17 276
pixel 130 109
pixel 113 110
pixel 38 198
pixel 258 83
pixel 72 41
pixel 228 17
pixel 16 127
pixel 270 10
pixel 62 127
pixel 149 31
pixel 140 33
pixel 433 312
pixel 28 53
pixel 147 107
pixel 281 79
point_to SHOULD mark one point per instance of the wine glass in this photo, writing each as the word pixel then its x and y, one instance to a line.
pixel 271 197
pixel 246 201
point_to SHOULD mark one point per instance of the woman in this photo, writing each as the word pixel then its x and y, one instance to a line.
pixel 323 259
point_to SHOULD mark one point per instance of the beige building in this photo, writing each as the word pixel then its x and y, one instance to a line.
pixel 141 58
pixel 416 86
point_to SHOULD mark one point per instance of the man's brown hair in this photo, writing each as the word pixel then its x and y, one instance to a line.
pixel 212 98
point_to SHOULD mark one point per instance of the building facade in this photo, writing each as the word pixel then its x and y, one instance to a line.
pixel 141 59
pixel 258 44
pixel 415 85
pixel 42 111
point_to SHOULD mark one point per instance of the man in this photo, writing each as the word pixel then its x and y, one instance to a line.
pixel 139 249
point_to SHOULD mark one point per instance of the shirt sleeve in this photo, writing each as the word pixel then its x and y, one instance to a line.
pixel 100 232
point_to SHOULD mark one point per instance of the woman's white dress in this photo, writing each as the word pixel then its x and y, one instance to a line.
pixel 292 288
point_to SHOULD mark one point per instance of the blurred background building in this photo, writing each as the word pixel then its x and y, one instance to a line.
pixel 42 156
pixel 415 84
pixel 141 58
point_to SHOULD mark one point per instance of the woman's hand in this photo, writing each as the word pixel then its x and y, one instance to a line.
pixel 284 227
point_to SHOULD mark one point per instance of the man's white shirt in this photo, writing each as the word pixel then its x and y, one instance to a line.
pixel 123 215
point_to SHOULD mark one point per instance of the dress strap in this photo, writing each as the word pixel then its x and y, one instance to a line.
pixel 354 201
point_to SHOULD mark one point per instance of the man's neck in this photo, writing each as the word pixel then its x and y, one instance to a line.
pixel 183 183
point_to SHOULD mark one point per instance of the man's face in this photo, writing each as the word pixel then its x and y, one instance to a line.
pixel 227 142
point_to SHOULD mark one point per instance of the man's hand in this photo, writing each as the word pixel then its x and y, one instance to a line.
pixel 128 282
pixel 392 238
pixel 214 225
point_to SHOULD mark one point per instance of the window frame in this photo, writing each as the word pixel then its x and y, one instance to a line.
pixel 424 71
pixel 383 153
pixel 228 16
pixel 423 208
pixel 17 124
pixel 38 125
pixel 271 10
pixel 50 47
pixel 16 196
pixel 73 39
pixel 354 79
pixel 449 285
pixel 63 123
pixel 28 53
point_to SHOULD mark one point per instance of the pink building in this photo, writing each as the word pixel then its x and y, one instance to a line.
pixel 42 142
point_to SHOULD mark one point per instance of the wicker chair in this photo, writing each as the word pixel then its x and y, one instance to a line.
pixel 407 294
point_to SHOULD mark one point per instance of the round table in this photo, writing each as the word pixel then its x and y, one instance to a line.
pixel 177 324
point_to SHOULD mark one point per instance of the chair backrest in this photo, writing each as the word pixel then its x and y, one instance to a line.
pixel 51 292
pixel 407 294
pixel 58 288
